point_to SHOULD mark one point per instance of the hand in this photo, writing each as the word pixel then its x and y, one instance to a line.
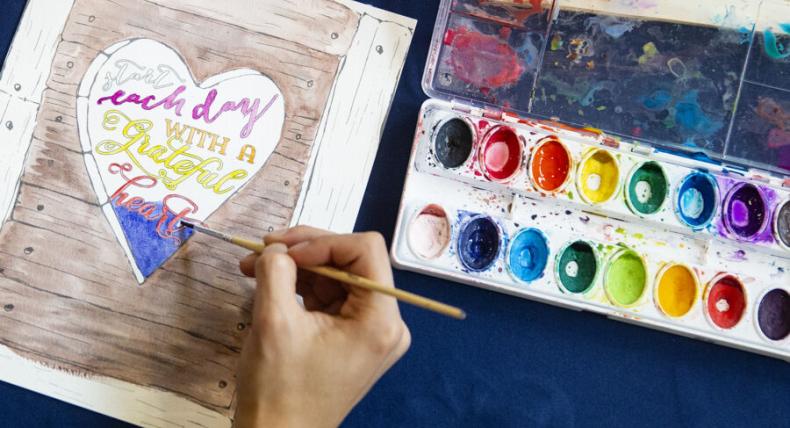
pixel 309 366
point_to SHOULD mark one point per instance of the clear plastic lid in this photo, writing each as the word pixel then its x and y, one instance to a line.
pixel 708 77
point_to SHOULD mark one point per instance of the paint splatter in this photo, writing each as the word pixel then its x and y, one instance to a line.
pixel 483 60
pixel 772 112
pixel 613 26
pixel 690 116
pixel 556 42
pixel 656 101
pixel 580 48
pixel 773 48
pixel 649 51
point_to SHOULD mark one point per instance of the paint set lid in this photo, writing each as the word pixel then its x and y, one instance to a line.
pixel 706 77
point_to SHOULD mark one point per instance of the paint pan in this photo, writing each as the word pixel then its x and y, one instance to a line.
pixel 501 154
pixel 677 290
pixel 598 176
pixel 576 267
pixel 782 224
pixel 479 240
pixel 697 200
pixel 528 255
pixel 725 301
pixel 550 165
pixel 453 142
pixel 429 232
pixel 625 280
pixel 646 188
pixel 773 315
pixel 745 211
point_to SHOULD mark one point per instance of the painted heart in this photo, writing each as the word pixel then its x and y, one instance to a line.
pixel 160 147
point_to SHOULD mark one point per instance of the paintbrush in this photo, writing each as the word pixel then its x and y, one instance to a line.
pixel 343 276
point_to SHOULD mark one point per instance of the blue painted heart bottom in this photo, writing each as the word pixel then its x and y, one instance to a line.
pixel 149 249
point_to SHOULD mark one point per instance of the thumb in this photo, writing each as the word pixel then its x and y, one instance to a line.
pixel 275 295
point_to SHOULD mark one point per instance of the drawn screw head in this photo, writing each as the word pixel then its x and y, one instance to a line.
pixel 309 83
pixel 334 36
pixel 9 125
pixel 59 119
pixel 287 182
pixel 380 49
pixel 222 384
pixel 270 229
pixel 70 64
pixel 17 87
pixel 240 326
pixel 91 18
pixel 298 136
pixel 8 308
pixel 40 207
pixel 28 250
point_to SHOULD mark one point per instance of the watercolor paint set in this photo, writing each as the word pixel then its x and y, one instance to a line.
pixel 627 158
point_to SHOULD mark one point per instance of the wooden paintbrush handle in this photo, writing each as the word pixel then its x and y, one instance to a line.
pixel 359 281
pixel 405 296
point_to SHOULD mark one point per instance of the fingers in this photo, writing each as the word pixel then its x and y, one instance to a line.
pixel 288 237
pixel 247 264
pixel 364 254
pixel 275 277
pixel 295 235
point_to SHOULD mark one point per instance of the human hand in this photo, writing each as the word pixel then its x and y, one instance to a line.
pixel 309 366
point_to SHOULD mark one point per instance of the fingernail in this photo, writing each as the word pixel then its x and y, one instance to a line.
pixel 275 248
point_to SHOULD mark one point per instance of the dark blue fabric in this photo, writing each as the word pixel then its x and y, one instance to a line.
pixel 513 362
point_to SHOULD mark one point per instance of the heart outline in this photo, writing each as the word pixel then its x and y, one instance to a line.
pixel 92 77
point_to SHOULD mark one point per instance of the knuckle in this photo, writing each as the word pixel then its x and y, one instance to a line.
pixel 388 338
pixel 273 320
pixel 272 261
pixel 300 229
pixel 374 241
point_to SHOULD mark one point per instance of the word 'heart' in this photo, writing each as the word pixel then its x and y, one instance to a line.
pixel 160 147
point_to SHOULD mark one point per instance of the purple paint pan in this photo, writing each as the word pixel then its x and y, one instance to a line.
pixel 745 211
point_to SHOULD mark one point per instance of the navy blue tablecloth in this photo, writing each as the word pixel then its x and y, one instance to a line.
pixel 513 362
